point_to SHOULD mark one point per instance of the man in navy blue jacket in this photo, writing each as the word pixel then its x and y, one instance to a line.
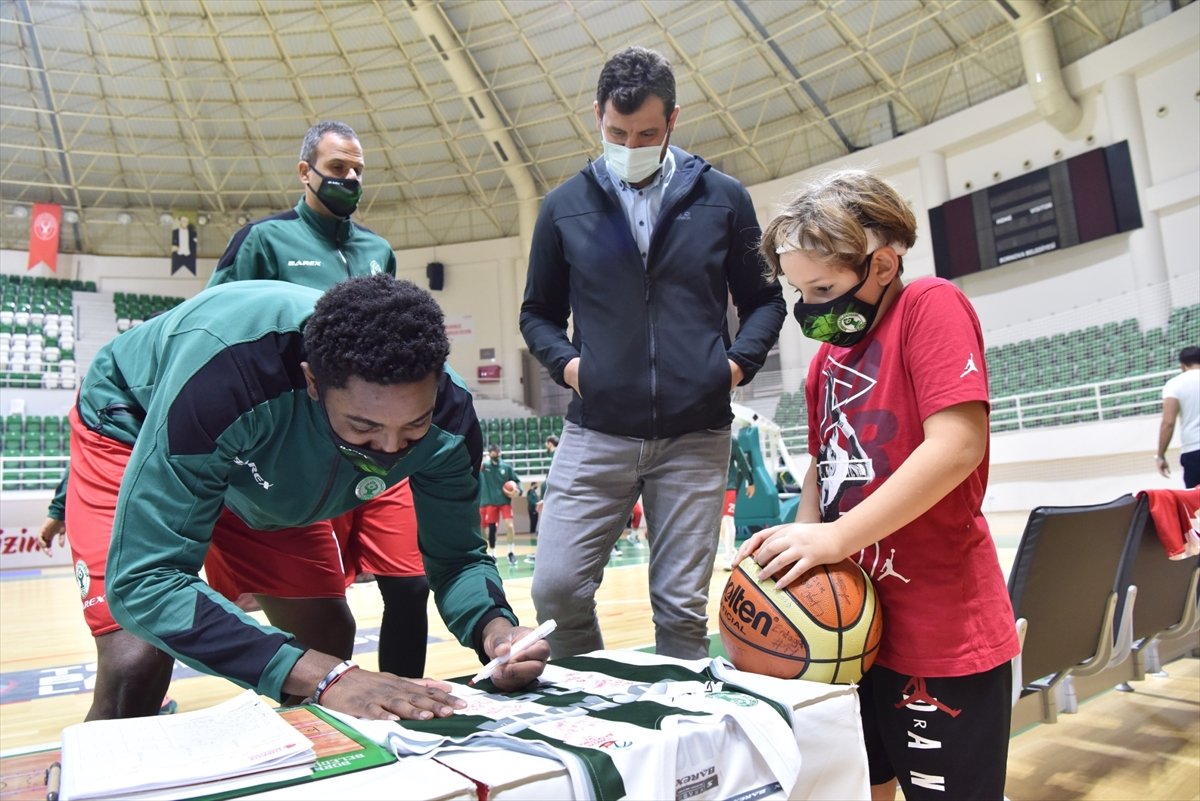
pixel 643 248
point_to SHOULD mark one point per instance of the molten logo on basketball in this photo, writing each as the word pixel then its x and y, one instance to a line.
pixel 744 610
pixel 824 626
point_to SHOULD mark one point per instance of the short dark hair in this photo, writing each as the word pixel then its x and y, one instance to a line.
pixel 1190 356
pixel 493 447
pixel 378 328
pixel 552 438
pixel 314 135
pixel 633 74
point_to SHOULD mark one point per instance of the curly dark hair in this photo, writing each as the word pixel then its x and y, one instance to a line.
pixel 630 76
pixel 378 328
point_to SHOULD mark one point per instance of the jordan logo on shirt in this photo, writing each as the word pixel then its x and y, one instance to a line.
pixel 889 568
pixel 970 368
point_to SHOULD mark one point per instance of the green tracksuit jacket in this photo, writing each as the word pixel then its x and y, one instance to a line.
pixel 297 246
pixel 303 247
pixel 491 482
pixel 212 399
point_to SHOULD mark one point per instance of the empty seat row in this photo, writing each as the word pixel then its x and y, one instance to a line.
pixel 1095 597
pixel 9 280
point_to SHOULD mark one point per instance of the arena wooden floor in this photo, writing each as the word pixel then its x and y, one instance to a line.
pixel 1140 745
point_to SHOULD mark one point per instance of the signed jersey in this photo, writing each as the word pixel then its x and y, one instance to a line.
pixel 625 730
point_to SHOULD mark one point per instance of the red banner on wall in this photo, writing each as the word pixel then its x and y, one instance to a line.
pixel 43 235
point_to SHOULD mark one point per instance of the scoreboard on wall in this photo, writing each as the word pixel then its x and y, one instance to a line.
pixel 1087 197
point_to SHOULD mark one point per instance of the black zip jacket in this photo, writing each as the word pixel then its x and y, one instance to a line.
pixel 653 343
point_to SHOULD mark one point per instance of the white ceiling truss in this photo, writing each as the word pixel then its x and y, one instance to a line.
pixel 152 107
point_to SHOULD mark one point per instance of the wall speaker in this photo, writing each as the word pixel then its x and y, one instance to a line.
pixel 435 271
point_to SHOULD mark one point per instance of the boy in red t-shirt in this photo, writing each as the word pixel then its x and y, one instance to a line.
pixel 898 435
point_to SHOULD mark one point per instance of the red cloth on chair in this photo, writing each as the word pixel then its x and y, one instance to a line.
pixel 1173 512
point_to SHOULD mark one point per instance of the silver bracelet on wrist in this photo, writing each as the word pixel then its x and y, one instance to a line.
pixel 331 678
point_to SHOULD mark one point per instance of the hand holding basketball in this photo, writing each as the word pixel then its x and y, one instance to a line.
pixel 826 627
pixel 793 549
pixel 511 489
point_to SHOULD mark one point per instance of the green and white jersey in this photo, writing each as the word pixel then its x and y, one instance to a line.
pixel 213 401
pixel 665 729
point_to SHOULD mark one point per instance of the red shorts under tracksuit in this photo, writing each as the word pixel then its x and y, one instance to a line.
pixel 315 561
pixel 488 515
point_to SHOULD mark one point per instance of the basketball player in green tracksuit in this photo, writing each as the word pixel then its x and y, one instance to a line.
pixel 244 417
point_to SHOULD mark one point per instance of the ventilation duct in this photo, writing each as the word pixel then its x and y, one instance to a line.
pixel 445 41
pixel 1043 72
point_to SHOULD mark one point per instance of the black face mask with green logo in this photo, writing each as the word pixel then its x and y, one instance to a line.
pixel 340 195
pixel 843 321
pixel 364 459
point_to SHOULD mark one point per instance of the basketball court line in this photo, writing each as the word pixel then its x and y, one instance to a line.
pixel 31 684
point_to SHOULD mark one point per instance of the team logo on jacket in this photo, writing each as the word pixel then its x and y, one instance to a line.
pixel 376 267
pixel 369 487
pixel 82 578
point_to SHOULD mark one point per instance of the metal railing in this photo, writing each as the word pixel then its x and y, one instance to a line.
pixel 31 472
pixel 1135 396
pixel 1102 401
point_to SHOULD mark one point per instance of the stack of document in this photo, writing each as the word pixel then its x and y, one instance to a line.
pixel 240 743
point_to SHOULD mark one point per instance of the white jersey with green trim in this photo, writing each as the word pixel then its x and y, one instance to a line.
pixel 666 729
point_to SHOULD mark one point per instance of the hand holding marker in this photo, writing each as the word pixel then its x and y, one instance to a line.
pixel 540 633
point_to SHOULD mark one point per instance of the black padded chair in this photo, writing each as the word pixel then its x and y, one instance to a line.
pixel 1070 569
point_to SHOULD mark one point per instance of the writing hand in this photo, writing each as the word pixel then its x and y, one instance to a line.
pixel 498 637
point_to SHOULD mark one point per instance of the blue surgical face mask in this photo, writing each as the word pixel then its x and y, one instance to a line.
pixel 843 321
pixel 632 164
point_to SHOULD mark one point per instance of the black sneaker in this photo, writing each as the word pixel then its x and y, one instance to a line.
pixel 512 558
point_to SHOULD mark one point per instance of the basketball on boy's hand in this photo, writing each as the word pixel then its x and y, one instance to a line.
pixel 825 626
pixel 511 489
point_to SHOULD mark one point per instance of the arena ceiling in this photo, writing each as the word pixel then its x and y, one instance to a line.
pixel 129 111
